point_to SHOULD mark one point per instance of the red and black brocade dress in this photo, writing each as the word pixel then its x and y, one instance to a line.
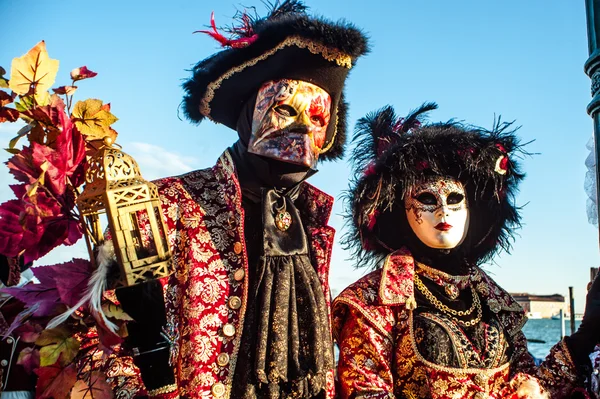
pixel 206 297
pixel 387 350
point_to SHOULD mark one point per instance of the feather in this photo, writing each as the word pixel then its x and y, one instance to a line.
pixel 215 33
pixel 286 8
pixel 95 290
pixel 414 118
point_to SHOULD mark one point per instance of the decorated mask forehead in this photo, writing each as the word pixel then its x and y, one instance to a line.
pixel 290 121
pixel 441 185
pixel 437 212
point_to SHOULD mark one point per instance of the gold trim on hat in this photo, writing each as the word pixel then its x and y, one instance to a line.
pixel 329 53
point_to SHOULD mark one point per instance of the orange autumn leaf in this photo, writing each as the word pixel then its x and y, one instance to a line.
pixel 34 72
pixel 97 388
pixel 93 119
pixel 55 381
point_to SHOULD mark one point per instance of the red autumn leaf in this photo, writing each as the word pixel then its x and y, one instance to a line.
pixel 55 381
pixel 95 388
pixel 22 166
pixel 41 298
pixel 72 279
pixel 29 332
pixel 13 237
pixel 21 318
pixel 48 115
pixel 8 114
pixel 108 339
pixel 59 163
pixel 6 98
pixel 36 225
pixel 65 90
pixel 29 358
pixel 82 73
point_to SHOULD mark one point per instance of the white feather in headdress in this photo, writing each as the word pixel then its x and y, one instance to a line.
pixel 95 289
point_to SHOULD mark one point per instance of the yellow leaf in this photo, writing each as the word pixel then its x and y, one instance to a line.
pixel 34 72
pixel 93 119
pixel 52 336
pixel 115 311
pixel 66 350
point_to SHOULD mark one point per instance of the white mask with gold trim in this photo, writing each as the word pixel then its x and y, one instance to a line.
pixel 438 213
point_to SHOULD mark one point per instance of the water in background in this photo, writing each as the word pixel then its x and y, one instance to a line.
pixel 546 330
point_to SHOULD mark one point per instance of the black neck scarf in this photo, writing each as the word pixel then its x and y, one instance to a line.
pixel 286 348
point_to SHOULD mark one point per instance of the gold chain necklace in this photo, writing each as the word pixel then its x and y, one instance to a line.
pixel 449 311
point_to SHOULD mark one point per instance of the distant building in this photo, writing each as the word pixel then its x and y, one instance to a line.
pixel 541 306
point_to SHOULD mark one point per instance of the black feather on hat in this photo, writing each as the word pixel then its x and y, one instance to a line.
pixel 393 154
pixel 287 44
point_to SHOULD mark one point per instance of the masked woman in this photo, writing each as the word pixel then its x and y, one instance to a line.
pixel 430 203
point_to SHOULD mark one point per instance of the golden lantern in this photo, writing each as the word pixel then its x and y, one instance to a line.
pixel 115 187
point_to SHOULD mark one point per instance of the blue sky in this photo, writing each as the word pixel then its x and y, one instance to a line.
pixel 476 59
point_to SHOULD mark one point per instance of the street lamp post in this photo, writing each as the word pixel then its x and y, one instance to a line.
pixel 592 69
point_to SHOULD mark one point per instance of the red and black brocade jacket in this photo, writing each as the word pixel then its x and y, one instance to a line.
pixel 206 296
pixel 379 356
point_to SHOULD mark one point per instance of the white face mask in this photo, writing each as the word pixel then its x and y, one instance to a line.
pixel 438 213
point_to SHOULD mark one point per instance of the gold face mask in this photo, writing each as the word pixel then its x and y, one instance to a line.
pixel 290 121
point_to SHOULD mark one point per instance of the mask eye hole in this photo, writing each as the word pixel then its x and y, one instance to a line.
pixel 318 120
pixel 455 198
pixel 285 110
pixel 427 199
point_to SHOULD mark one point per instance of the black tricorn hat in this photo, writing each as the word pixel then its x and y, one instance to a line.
pixel 393 154
pixel 287 44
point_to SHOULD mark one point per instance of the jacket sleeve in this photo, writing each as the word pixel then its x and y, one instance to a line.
pixel 365 361
pixel 557 374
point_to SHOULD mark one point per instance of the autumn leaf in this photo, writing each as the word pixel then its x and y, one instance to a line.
pixel 34 72
pixel 82 73
pixel 3 80
pixel 115 311
pixel 93 119
pixel 7 114
pixel 6 98
pixel 29 332
pixel 29 358
pixel 55 381
pixel 36 225
pixel 96 388
pixel 65 90
pixel 72 279
pixel 57 343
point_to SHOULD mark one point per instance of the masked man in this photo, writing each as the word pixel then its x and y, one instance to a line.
pixel 430 204
pixel 247 310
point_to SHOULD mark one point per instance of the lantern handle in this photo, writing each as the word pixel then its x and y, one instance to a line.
pixel 109 142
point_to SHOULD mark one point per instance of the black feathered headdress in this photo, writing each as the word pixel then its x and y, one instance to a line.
pixel 393 154
pixel 287 43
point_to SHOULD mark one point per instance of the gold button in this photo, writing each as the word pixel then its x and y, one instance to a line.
pixel 229 330
pixel 9 340
pixel 223 359
pixel 218 389
pixel 234 302
pixel 237 247
pixel 239 274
